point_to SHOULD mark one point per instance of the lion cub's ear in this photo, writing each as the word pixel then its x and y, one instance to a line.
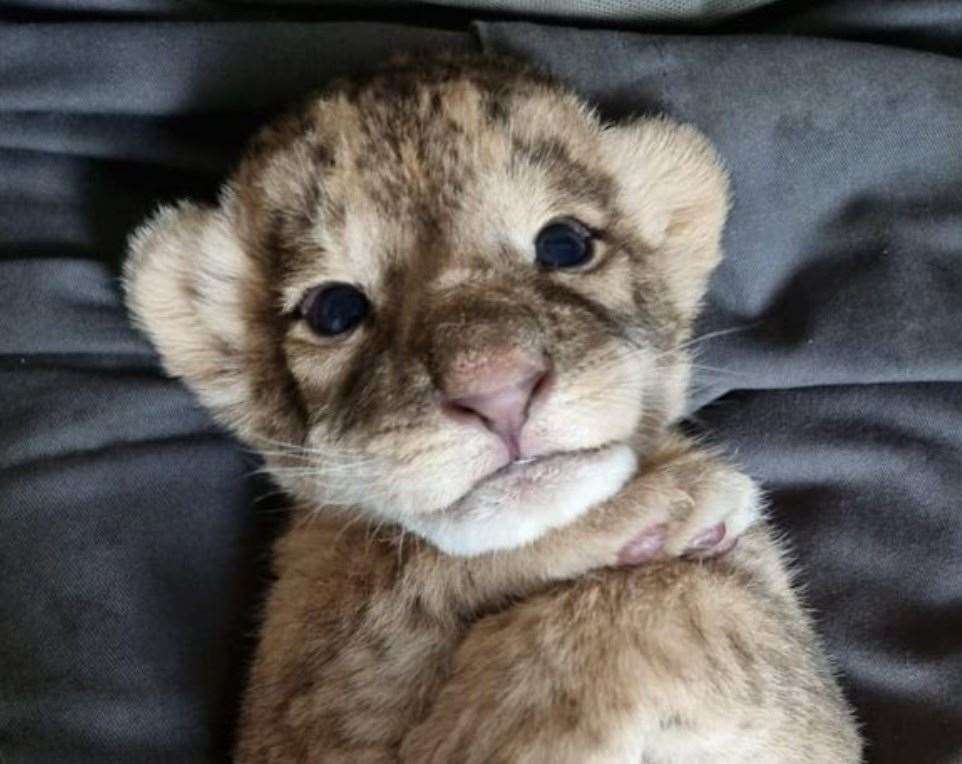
pixel 188 284
pixel 673 185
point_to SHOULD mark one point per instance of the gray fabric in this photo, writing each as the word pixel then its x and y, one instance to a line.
pixel 931 25
pixel 131 550
pixel 697 12
pixel 597 10
pixel 619 10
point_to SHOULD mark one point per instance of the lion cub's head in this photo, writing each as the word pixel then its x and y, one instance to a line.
pixel 446 286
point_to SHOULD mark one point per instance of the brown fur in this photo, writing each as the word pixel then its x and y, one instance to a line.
pixel 425 185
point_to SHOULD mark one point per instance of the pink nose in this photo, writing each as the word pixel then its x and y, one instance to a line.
pixel 500 393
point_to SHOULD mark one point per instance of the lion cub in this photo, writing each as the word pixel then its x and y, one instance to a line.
pixel 450 307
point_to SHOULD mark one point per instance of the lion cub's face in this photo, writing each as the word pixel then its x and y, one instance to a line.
pixel 437 284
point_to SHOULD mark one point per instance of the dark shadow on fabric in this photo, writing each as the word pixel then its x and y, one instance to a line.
pixel 251 584
pixel 895 727
pixel 123 194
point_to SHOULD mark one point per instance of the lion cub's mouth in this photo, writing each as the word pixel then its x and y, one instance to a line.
pixel 524 499
pixel 530 471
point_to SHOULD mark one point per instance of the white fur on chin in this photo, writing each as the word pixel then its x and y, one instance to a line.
pixel 525 501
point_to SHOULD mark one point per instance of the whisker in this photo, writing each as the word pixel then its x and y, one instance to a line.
pixel 720 370
pixel 719 333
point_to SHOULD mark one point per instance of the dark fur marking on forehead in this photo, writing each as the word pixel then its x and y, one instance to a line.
pixel 569 176
pixel 417 191
pixel 335 212
pixel 285 236
pixel 496 105
pixel 279 225
pixel 322 155
pixel 315 196
pixel 453 127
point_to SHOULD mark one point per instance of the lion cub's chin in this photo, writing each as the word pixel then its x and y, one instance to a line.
pixel 524 500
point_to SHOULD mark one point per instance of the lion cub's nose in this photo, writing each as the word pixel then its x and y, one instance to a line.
pixel 497 389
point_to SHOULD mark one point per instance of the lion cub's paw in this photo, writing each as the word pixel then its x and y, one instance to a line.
pixel 725 505
pixel 717 509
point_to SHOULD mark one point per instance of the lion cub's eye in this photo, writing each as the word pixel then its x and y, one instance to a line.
pixel 332 309
pixel 563 244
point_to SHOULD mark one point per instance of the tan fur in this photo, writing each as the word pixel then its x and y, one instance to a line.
pixel 425 186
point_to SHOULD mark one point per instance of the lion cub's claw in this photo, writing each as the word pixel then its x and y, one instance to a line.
pixel 720 507
pixel 724 505
pixel 711 543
